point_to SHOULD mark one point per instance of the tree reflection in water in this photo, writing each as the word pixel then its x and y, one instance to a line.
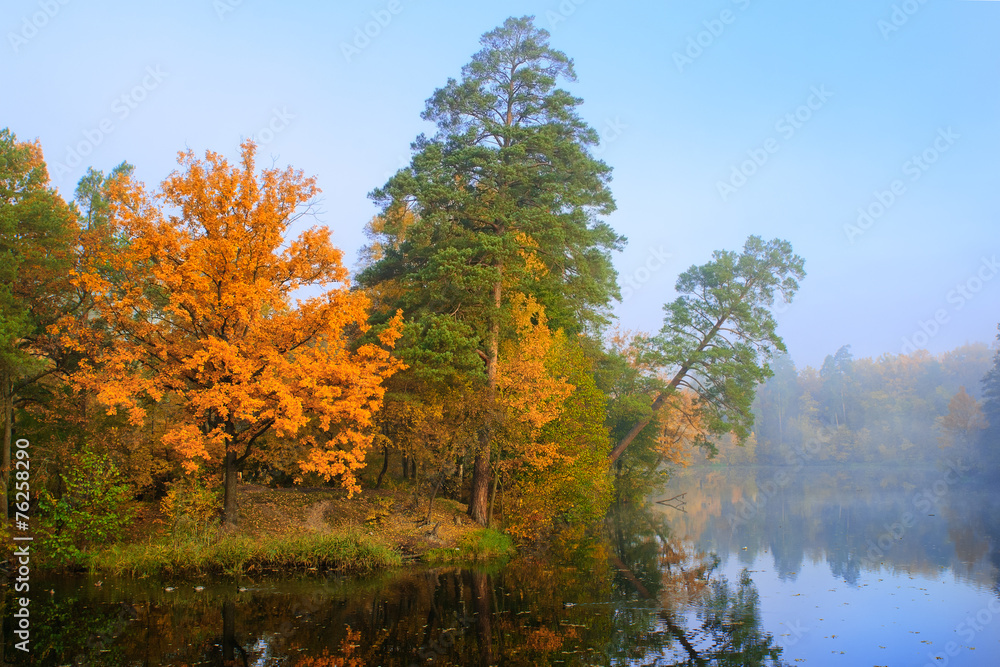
pixel 637 594
pixel 703 619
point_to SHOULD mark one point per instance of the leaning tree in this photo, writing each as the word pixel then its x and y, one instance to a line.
pixel 719 336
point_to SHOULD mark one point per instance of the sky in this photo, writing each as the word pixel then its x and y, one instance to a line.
pixel 864 133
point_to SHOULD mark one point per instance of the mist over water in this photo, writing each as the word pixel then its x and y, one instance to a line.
pixel 758 565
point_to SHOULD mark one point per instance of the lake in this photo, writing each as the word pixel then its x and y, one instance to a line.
pixel 751 566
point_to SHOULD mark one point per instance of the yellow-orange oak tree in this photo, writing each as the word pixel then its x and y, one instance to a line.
pixel 198 293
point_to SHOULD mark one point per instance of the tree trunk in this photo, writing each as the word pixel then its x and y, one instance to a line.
pixel 406 466
pixel 479 500
pixel 843 404
pixel 385 466
pixel 493 499
pixel 662 398
pixel 230 513
pixel 481 605
pixel 229 632
pixel 654 408
pixel 430 503
pixel 7 390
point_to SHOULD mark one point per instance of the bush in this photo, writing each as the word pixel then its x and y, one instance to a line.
pixel 190 503
pixel 94 509
pixel 482 545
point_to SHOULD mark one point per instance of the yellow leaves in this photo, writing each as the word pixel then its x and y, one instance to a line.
pixel 200 307
pixel 189 441
pixel 546 640
pixel 345 657
pixel 526 389
pixel 392 333
pixel 331 462
pixel 678 426
pixel 532 265
pixel 551 432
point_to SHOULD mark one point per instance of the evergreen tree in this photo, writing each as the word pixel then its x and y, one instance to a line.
pixel 503 200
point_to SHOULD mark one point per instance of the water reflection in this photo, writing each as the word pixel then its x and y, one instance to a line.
pixel 921 521
pixel 643 596
pixel 844 568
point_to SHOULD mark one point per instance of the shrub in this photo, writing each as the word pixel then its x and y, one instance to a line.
pixel 190 503
pixel 94 509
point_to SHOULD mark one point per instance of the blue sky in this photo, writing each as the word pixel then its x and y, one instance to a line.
pixel 721 119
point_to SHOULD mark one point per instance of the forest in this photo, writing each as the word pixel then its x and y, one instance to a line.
pixel 909 408
pixel 164 347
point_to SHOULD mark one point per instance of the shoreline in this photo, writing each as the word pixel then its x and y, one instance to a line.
pixel 295 530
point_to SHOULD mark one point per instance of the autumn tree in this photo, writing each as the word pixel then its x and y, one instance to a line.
pixel 629 379
pixel 719 335
pixel 504 199
pixel 963 422
pixel 198 296
pixel 37 234
pixel 529 397
pixel 554 473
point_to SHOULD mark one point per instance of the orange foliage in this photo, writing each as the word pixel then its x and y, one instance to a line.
pixel 540 465
pixel 346 658
pixel 678 426
pixel 964 418
pixel 197 291
pixel 546 640
pixel 528 393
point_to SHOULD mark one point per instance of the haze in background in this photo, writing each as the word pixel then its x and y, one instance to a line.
pixel 865 135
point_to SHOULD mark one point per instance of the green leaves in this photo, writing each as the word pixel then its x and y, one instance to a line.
pixel 37 231
pixel 719 336
pixel 94 509
pixel 505 190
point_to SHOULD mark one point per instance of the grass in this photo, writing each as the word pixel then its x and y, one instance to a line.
pixel 480 545
pixel 307 529
pixel 348 552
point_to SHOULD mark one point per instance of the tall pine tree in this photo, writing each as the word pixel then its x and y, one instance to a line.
pixel 504 199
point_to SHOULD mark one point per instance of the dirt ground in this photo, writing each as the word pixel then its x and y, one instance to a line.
pixel 385 513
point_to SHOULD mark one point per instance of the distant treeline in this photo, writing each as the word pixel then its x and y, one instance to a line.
pixel 915 408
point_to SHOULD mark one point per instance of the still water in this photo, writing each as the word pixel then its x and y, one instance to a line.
pixel 761 566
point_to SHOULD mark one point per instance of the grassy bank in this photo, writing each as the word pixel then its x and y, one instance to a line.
pixel 481 545
pixel 350 552
pixel 305 530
